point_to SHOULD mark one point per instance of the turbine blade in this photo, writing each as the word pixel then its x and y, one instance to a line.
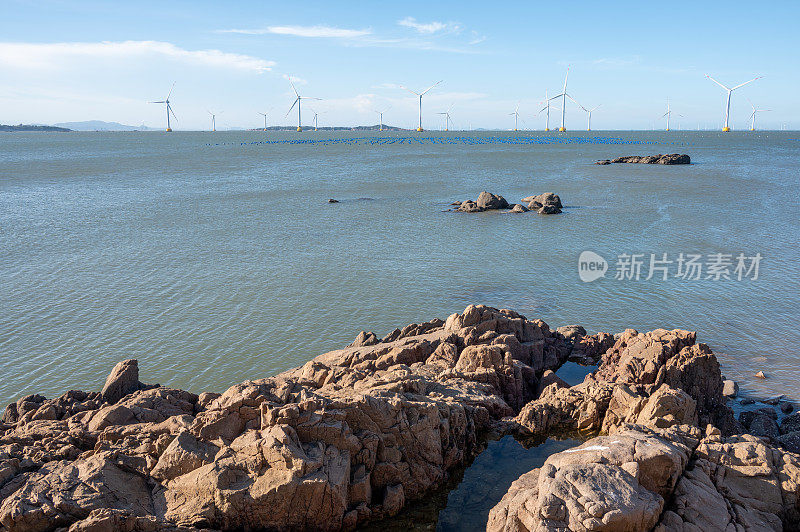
pixel 293 88
pixel 432 86
pixel 409 90
pixel 171 111
pixel 718 83
pixel 170 90
pixel 565 79
pixel 292 107
pixel 746 82
pixel 160 101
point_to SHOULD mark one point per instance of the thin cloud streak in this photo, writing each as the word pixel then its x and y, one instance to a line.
pixel 38 56
pixel 319 31
pixel 430 28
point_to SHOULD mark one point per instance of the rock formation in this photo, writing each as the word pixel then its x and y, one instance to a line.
pixel 355 435
pixel 547 203
pixel 672 158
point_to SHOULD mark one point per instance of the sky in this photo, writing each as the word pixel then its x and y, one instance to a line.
pixel 66 61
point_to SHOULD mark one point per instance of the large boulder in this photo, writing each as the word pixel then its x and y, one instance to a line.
pixel 487 201
pixel 611 483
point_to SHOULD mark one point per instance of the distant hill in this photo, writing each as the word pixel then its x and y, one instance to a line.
pixel 99 125
pixel 29 127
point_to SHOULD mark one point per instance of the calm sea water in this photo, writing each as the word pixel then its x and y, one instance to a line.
pixel 213 260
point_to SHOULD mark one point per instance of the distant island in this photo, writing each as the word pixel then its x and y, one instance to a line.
pixel 99 125
pixel 30 127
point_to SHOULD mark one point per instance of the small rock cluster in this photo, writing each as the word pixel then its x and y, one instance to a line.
pixel 672 158
pixel 547 203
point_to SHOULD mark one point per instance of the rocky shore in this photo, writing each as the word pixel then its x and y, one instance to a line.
pixel 355 435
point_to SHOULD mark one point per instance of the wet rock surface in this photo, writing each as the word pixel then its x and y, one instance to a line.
pixel 358 434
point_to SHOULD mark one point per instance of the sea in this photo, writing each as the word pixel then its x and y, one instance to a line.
pixel 214 258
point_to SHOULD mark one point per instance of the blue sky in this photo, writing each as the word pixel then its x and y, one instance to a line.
pixel 68 61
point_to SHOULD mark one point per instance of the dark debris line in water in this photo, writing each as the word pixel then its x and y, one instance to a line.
pixel 464 502
pixel 519 139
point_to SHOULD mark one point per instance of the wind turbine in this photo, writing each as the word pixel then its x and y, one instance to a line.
pixel 515 114
pixel 168 107
pixel 753 115
pixel 546 107
pixel 297 103
pixel 316 115
pixel 668 115
pixel 213 120
pixel 380 119
pixel 447 120
pixel 589 112
pixel 265 120
pixel 420 95
pixel 564 97
pixel 728 103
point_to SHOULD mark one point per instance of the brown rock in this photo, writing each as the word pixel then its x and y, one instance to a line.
pixel 487 201
pixel 124 379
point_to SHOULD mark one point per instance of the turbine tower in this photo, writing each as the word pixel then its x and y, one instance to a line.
pixel 420 95
pixel 265 120
pixel 668 114
pixel 753 115
pixel 168 107
pixel 380 120
pixel 589 112
pixel 515 114
pixel 316 115
pixel 564 97
pixel 297 103
pixel 447 120
pixel 728 102
pixel 213 120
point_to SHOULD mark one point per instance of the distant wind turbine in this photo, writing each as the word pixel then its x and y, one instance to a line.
pixel 728 103
pixel 265 120
pixel 547 108
pixel 297 103
pixel 753 115
pixel 420 95
pixel 564 97
pixel 668 115
pixel 168 106
pixel 213 120
pixel 316 116
pixel 515 114
pixel 380 119
pixel 589 112
pixel 447 120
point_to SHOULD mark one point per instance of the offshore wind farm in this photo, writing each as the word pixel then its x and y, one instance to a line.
pixel 447 121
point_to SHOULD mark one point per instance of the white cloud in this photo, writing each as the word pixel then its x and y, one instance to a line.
pixel 429 28
pixel 304 31
pixel 55 55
